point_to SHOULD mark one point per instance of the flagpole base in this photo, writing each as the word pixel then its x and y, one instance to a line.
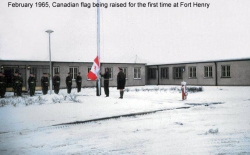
pixel 98 89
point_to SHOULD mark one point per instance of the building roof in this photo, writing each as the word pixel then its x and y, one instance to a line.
pixel 147 64
pixel 206 61
pixel 70 62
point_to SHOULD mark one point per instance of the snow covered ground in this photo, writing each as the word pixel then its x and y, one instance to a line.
pixel 214 121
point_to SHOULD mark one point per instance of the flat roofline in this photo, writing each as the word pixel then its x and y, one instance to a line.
pixel 206 61
pixel 156 64
pixel 69 62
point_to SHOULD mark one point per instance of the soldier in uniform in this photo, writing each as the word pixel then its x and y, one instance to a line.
pixel 79 82
pixel 56 83
pixel 3 85
pixel 16 83
pixel 121 81
pixel 19 92
pixel 106 81
pixel 32 84
pixel 69 83
pixel 6 81
pixel 45 83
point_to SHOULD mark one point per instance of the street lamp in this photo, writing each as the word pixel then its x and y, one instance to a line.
pixel 50 78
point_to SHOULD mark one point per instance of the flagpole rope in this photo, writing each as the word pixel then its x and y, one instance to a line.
pixel 98 48
pixel 102 36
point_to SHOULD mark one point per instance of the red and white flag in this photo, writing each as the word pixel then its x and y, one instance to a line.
pixel 93 73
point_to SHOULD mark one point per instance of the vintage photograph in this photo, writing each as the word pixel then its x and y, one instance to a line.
pixel 91 77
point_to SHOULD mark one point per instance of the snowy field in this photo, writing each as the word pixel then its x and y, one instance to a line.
pixel 214 121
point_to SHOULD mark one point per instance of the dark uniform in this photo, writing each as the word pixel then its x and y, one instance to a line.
pixel 3 85
pixel 21 85
pixel 17 84
pixel 32 84
pixel 79 82
pixel 121 81
pixel 106 82
pixel 69 83
pixel 45 83
pixel 56 83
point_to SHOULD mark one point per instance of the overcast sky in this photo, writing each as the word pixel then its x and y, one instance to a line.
pixel 155 35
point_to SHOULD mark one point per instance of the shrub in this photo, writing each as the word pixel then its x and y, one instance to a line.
pixel 194 89
pixel 73 97
pixel 127 89
pixel 56 100
pixel 156 89
pixel 137 89
pixel 40 100
pixel 173 88
pixel 3 102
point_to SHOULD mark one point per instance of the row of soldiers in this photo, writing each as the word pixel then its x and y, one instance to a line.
pixel 3 84
pixel 18 83
pixel 56 83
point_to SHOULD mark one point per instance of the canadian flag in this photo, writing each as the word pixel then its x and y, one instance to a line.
pixel 94 69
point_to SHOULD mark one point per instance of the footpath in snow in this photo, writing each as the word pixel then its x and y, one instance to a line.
pixel 153 117
pixel 29 113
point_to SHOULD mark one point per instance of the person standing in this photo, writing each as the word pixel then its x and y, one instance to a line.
pixel 32 84
pixel 5 82
pixel 69 83
pixel 106 81
pixel 3 85
pixel 56 83
pixel 45 83
pixel 79 82
pixel 19 91
pixel 121 81
pixel 15 83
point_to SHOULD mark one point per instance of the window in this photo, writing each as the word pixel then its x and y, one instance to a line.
pixel 125 71
pixel 73 71
pixel 33 70
pixel 152 73
pixel 55 70
pixel 192 72
pixel 225 71
pixel 110 72
pixel 165 73
pixel 208 71
pixel 46 70
pixel 137 73
pixel 178 72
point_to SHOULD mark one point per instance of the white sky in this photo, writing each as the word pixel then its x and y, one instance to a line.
pixel 155 35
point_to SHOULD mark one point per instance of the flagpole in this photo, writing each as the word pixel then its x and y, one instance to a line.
pixel 98 47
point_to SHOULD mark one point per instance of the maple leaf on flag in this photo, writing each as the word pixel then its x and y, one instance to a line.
pixel 93 73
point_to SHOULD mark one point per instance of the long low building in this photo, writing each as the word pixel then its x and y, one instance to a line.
pixel 135 72
pixel 234 72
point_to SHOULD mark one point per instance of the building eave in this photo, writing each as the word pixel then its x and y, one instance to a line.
pixel 195 62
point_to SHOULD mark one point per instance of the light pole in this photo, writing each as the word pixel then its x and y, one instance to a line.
pixel 50 66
